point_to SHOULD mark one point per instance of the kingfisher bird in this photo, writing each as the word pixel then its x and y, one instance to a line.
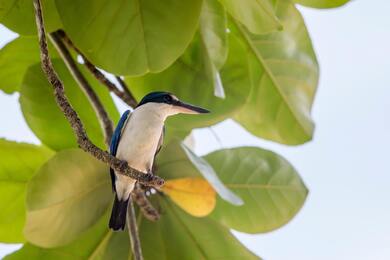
pixel 137 139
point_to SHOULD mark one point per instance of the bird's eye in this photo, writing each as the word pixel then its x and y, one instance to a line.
pixel 168 98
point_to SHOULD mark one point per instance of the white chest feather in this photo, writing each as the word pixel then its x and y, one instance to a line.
pixel 139 142
pixel 140 138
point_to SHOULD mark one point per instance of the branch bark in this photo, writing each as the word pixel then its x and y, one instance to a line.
pixel 125 94
pixel 133 231
pixel 144 204
pixel 120 166
pixel 126 90
pixel 104 119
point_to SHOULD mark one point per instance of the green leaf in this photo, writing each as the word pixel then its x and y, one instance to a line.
pixel 322 3
pixel 271 189
pixel 209 174
pixel 18 163
pixel 197 238
pixel 212 28
pixel 45 118
pixel 178 235
pixel 187 80
pixel 15 58
pixel 173 163
pixel 97 243
pixel 66 196
pixel 130 37
pixel 284 75
pixel 257 15
pixel 18 15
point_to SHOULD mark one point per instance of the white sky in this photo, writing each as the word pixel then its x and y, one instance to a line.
pixel 347 213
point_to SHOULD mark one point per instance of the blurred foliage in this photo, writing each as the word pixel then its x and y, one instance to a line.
pixel 250 60
pixel 18 163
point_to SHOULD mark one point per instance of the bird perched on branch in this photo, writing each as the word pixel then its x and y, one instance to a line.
pixel 137 139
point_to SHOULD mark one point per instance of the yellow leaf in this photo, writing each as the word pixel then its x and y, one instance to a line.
pixel 194 195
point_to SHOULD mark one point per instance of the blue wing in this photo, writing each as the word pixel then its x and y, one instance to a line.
pixel 117 133
pixel 115 142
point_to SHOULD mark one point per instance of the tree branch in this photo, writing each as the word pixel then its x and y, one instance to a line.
pixel 125 94
pixel 126 90
pixel 71 115
pixel 133 231
pixel 104 119
pixel 144 204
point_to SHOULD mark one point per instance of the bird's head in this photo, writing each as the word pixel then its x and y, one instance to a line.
pixel 168 104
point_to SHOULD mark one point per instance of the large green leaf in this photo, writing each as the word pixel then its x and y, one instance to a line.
pixel 131 37
pixel 212 28
pixel 66 196
pixel 209 174
pixel 18 163
pixel 271 189
pixel 15 58
pixel 197 238
pixel 257 15
pixel 187 80
pixel 18 15
pixel 284 74
pixel 178 235
pixel 97 243
pixel 322 3
pixel 173 163
pixel 46 119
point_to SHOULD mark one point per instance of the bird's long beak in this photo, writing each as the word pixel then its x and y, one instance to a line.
pixel 186 108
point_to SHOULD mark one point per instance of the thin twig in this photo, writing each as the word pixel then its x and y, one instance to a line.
pixel 71 115
pixel 104 119
pixel 125 95
pixel 127 90
pixel 144 204
pixel 133 231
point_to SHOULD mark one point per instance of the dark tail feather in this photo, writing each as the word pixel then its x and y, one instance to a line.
pixel 118 214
